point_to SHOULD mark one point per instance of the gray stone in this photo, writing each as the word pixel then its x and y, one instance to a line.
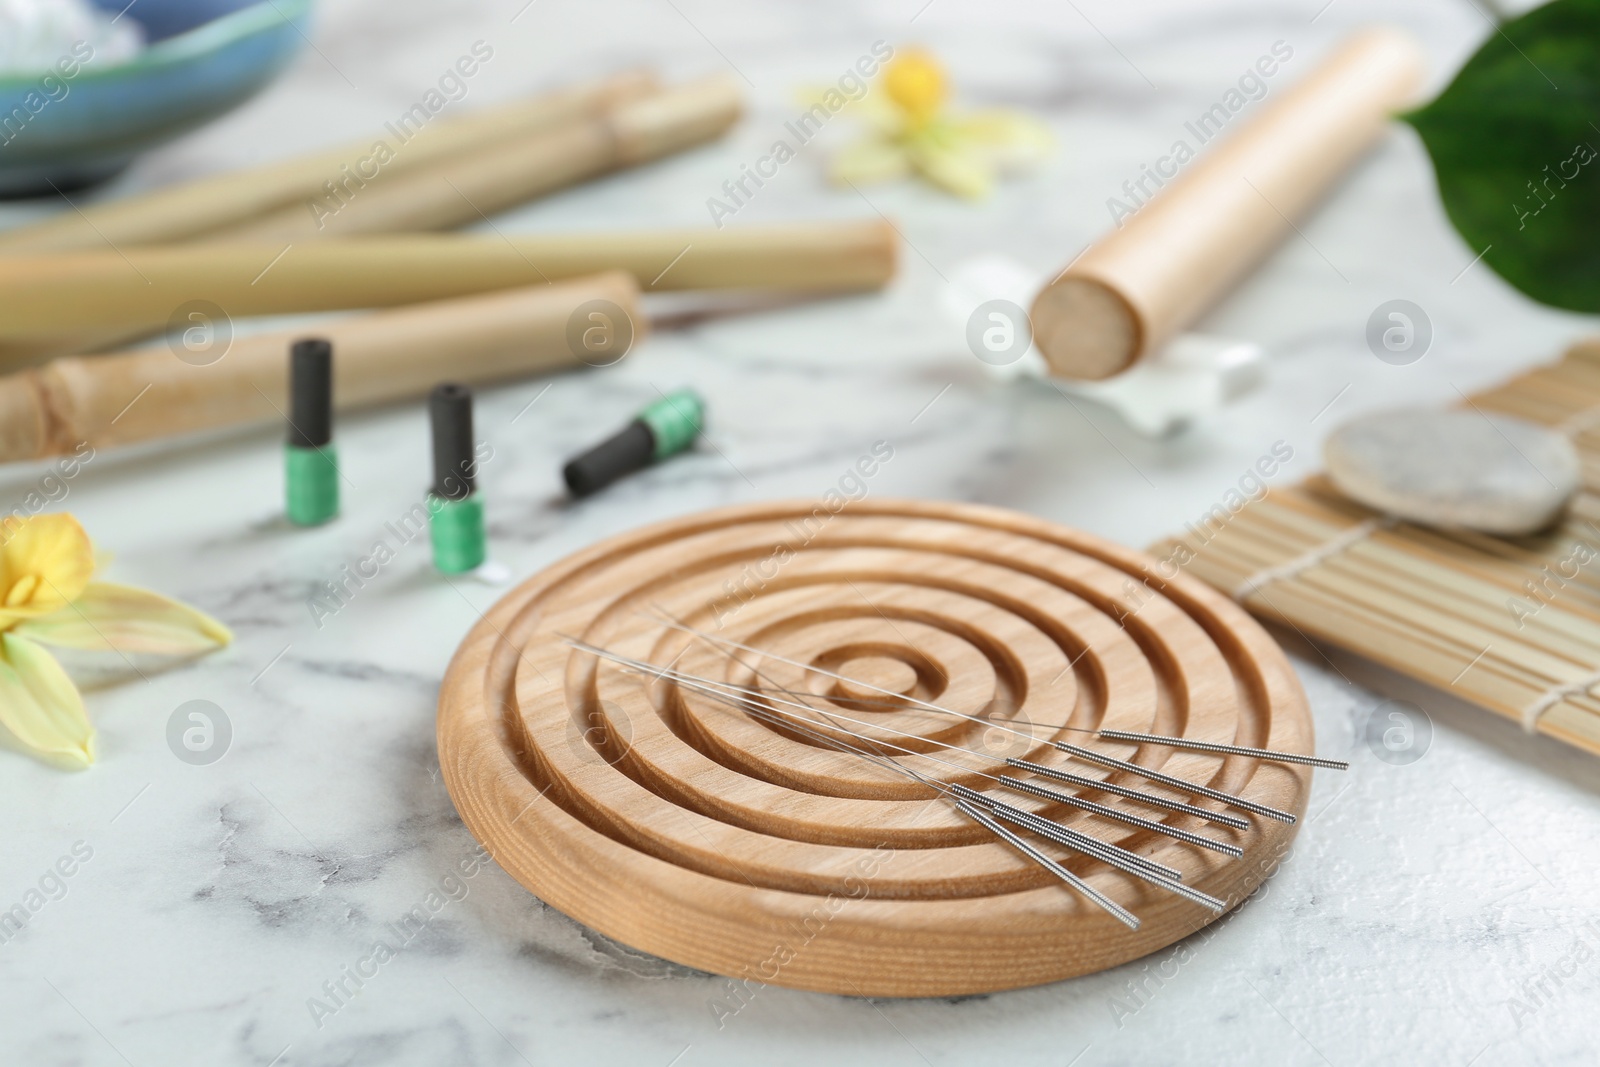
pixel 1494 473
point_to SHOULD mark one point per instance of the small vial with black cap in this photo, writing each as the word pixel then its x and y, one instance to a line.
pixel 663 429
pixel 311 472
pixel 455 510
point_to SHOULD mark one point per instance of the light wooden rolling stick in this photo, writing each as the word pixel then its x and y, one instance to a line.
pixel 1141 285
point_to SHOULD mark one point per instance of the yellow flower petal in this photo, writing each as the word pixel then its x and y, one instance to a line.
pixel 964 173
pixel 40 705
pixel 121 618
pixel 1012 141
pixel 881 114
pixel 870 160
pixel 45 561
pixel 915 81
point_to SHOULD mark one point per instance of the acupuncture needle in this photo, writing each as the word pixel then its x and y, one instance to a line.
pixel 1152 799
pixel 1073 881
pixel 1133 738
pixel 1116 910
pixel 1135 768
pixel 1004 780
pixel 706 686
pixel 1070 749
pixel 1220 818
pixel 1123 860
pixel 1125 736
pixel 1102 850
pixel 1115 855
pixel 1123 915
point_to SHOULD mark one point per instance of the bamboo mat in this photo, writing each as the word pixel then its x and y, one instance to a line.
pixel 1511 624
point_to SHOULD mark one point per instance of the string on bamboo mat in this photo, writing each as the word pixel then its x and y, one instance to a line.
pixel 1554 696
pixel 1310 558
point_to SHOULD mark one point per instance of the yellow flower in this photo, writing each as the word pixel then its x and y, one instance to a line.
pixel 912 135
pixel 48 597
pixel 916 83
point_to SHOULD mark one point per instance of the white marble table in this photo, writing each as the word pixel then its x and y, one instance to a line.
pixel 1439 912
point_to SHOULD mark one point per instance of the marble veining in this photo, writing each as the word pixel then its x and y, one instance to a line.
pixel 1438 912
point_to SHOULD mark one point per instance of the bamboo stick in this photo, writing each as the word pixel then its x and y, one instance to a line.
pixel 1390 561
pixel 1369 606
pixel 480 165
pixel 1136 288
pixel 189 209
pixel 1464 554
pixel 141 287
pixel 1391 558
pixel 1324 515
pixel 488 179
pixel 120 398
pixel 1349 623
pixel 1502 565
pixel 1449 612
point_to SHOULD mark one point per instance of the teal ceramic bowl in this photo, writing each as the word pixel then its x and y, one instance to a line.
pixel 202 58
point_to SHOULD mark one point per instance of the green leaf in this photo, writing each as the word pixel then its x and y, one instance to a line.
pixel 1515 142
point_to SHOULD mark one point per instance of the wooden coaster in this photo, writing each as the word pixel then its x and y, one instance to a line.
pixel 696 832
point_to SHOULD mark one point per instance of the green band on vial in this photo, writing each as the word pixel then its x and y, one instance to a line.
pixel 311 484
pixel 456 529
pixel 674 420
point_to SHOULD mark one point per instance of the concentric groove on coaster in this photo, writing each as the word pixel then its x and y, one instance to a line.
pixel 699 832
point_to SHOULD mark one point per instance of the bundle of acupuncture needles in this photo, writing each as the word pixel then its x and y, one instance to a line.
pixel 802 714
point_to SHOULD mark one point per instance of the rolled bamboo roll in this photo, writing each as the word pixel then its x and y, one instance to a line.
pixel 468 186
pixel 120 398
pixel 141 288
pixel 1164 267
pixel 189 209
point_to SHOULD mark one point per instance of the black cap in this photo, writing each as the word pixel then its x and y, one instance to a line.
pixel 310 392
pixel 632 449
pixel 450 411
